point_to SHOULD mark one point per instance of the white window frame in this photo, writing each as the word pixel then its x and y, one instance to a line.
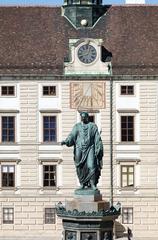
pixel 58 126
pixel 47 85
pixel 128 162
pixel 17 173
pixel 8 207
pixel 17 129
pixel 54 162
pixel 136 115
pixel 8 85
pixel 127 95
pixel 128 207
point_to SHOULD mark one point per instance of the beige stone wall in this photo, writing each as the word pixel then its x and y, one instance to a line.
pixel 30 199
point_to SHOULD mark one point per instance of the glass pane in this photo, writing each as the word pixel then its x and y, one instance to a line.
pixel 46 183
pixel 123 89
pixel 124 180
pixel 124 169
pixel 130 180
pixel 46 176
pixel 52 168
pixel 131 90
pixel 52 176
pixel 53 138
pixel 11 90
pixel 52 90
pixel 45 90
pixel 4 90
pixel 46 135
pixel 11 169
pixel 52 183
pixel 130 119
pixel 131 169
pixel 130 138
pixel 46 168
pixel 4 169
pixel 5 217
pixel 52 124
pixel 130 132
pixel 5 210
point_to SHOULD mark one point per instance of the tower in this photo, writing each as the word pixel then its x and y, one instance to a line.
pixel 83 13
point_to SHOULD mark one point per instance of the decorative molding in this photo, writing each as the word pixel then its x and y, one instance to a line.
pixel 50 111
pixel 122 110
pixel 126 160
pixel 52 160
pixel 9 111
pixel 10 160
pixel 62 212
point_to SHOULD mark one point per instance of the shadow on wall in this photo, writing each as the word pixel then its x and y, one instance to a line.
pixel 106 55
pixel 121 232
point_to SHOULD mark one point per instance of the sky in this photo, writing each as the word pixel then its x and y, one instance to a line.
pixel 59 2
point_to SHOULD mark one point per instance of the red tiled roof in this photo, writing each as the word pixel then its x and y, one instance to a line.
pixel 35 39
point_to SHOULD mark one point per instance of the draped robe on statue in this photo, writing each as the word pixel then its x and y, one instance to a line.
pixel 88 152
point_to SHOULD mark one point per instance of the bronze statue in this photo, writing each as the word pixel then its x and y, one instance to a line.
pixel 88 151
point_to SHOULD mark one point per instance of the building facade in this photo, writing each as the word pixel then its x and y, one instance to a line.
pixel 54 63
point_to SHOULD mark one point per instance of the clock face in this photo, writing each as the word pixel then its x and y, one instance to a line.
pixel 87 95
pixel 87 53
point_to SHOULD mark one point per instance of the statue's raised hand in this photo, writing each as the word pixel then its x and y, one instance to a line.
pixel 63 143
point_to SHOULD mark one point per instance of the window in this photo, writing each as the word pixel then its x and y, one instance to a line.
pixel 127 176
pixel 50 215
pixel 92 118
pixel 127 128
pixel 49 90
pixel 49 175
pixel 127 215
pixel 7 91
pixel 8 215
pixel 127 90
pixel 8 129
pixel 8 176
pixel 49 129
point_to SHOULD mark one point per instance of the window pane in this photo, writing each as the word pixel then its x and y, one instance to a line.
pixel 8 215
pixel 124 181
pixel 127 128
pixel 4 169
pixel 8 129
pixel 46 183
pixel 131 90
pixel 49 176
pixel 4 90
pixel 127 215
pixel 127 176
pixel 49 216
pixel 52 168
pixel 123 89
pixel 131 184
pixel 49 130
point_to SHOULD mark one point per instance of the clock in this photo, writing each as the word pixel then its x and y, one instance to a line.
pixel 87 95
pixel 87 53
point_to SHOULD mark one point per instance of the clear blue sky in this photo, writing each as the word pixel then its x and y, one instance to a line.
pixel 59 2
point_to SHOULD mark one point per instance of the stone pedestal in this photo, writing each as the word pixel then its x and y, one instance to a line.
pixel 87 217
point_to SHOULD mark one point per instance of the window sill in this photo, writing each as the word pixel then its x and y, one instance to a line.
pixel 8 189
pixel 128 189
pixel 8 143
pixel 50 143
pixel 127 143
pixel 49 189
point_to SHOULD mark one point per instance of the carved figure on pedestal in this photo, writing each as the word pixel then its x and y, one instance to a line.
pixel 88 151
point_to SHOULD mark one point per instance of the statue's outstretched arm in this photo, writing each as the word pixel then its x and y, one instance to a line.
pixel 70 140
